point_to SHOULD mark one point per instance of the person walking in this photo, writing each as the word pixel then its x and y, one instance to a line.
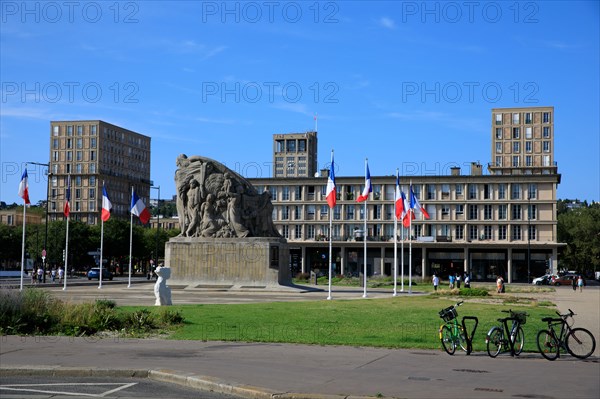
pixel 580 283
pixel 467 281
pixel 500 284
pixel 575 279
pixel 436 282
pixel 458 280
pixel 451 278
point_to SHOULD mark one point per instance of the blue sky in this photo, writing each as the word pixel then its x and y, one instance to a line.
pixel 409 85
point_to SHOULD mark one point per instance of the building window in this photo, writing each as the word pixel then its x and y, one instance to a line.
pixel 78 168
pixel 324 211
pixel 298 232
pixel 502 212
pixel 310 212
pixel 69 143
pixel 499 161
pixel 532 212
pixel 516 161
pixel 472 191
pixel 528 146
pixel 445 210
pixel 487 232
pixel 79 130
pixel 310 232
pixel 79 143
pixel 377 212
pixel 528 133
pixel 516 147
pixel 79 155
pixel 502 232
pixel 349 212
pixel 546 146
pixel 546 117
pixel 473 233
pixel 516 191
pixel 92 155
pixel 516 232
pixel 69 155
pixel 291 145
pixel 93 181
pixel 92 206
pixel 285 212
pixel 546 159
pixel 445 191
pixel 498 148
pixel 528 160
pixel 501 191
pixel 459 232
pixel 55 130
pixel 298 213
pixel 78 181
pixel 515 118
pixel 487 212
pixel 498 133
pixel 69 130
pixel 546 132
pixel 460 209
pixel 77 193
pixel 516 133
pixel 528 118
pixel 532 191
pixel 92 193
pixel 298 193
pixel 472 212
pixel 532 233
pixel 92 168
pixel 459 190
pixel 285 232
pixel 430 188
pixel 93 130
pixel 516 212
pixel 498 119
pixel 302 145
pixel 55 144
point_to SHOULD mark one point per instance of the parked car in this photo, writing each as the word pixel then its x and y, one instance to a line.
pixel 546 279
pixel 95 273
pixel 567 279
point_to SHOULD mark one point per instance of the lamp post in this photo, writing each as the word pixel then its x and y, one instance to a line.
pixel 47 201
pixel 157 225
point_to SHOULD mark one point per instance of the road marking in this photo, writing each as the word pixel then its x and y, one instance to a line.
pixel 27 388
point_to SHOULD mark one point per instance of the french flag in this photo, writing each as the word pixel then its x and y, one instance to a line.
pixel 106 205
pixel 365 194
pixel 138 208
pixel 414 203
pixel 331 190
pixel 24 187
pixel 67 210
pixel 399 199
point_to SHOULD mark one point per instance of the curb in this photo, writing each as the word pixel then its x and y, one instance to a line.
pixel 189 380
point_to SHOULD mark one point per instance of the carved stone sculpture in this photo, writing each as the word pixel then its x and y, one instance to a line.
pixel 214 201
pixel 161 290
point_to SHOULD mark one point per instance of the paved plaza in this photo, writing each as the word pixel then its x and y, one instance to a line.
pixel 257 370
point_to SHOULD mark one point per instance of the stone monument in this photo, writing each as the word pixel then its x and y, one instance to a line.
pixel 227 234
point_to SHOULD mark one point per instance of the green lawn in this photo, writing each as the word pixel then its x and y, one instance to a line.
pixel 401 322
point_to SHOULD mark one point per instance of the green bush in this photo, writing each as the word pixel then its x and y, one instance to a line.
pixel 473 292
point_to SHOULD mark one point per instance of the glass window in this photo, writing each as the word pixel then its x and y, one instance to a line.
pixel 499 133
pixel 516 133
pixel 528 160
pixel 502 232
pixel 516 147
pixel 499 161
pixel 487 212
pixel 516 212
pixel 498 148
pixel 498 119
pixel 291 145
pixel 516 161
pixel 546 117
pixel 79 130
pixel 516 191
pixel 528 118
pixel 546 132
pixel 516 232
pixel 473 232
pixel 501 191
pixel 528 146
pixel 459 232
pixel 459 189
pixel 532 191
pixel 528 132
pixel 472 191
pixel 472 212
pixel 55 130
pixel 546 146
pixel 93 129
pixel 460 209
pixel 69 130
pixel 532 232
pixel 515 118
pixel 502 211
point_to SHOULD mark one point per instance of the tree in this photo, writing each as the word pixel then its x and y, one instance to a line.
pixel 579 228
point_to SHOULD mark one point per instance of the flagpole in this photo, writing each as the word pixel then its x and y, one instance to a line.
pixel 68 199
pixel 396 189
pixel 23 243
pixel 130 239
pixel 101 248
pixel 316 117
pixel 402 258
pixel 330 249
pixel 410 242
pixel 365 236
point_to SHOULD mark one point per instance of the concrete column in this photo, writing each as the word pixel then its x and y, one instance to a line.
pixel 466 261
pixel 423 263
pixel 303 256
pixel 343 260
pixel 554 262
pixel 509 266
pixel 382 261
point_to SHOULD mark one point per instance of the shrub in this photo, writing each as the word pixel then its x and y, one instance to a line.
pixel 473 292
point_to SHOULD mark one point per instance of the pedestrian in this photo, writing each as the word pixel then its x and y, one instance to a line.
pixel 53 274
pixel 580 283
pixel 467 281
pixel 500 284
pixel 458 280
pixel 61 274
pixel 40 274
pixel 451 278
pixel 436 282
pixel 575 283
pixel 33 277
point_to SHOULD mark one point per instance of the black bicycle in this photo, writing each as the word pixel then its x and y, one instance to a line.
pixel 508 338
pixel 579 342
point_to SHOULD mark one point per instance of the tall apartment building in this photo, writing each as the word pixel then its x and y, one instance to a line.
pixel 93 152
pixel 485 225
pixel 523 141
pixel 295 154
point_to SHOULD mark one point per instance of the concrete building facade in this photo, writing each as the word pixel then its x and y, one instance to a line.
pixel 94 152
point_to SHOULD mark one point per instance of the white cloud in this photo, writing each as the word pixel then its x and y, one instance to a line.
pixel 387 23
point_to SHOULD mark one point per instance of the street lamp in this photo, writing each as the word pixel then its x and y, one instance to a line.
pixel 44 255
pixel 157 225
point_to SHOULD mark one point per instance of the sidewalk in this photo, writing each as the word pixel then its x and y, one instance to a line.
pixel 303 371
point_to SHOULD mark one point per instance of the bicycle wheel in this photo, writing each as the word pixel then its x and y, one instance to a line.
pixel 580 343
pixel 548 345
pixel 462 338
pixel 518 341
pixel 494 341
pixel 447 339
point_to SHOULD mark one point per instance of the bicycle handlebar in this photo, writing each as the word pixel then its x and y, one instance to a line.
pixel 459 303
pixel 566 315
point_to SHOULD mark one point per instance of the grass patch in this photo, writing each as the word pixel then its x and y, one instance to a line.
pixel 402 322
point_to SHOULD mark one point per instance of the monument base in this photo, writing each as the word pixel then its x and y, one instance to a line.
pixel 228 263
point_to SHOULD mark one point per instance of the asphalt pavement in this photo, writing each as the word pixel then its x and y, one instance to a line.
pixel 257 370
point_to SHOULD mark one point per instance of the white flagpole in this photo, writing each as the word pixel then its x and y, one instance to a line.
pixel 67 234
pixel 402 258
pixel 23 245
pixel 130 239
pixel 365 237
pixel 396 188
pixel 316 117
pixel 410 241
pixel 330 249
pixel 101 249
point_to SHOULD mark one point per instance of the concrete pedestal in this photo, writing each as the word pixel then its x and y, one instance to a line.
pixel 228 263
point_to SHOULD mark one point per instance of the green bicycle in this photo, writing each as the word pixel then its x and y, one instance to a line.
pixel 453 334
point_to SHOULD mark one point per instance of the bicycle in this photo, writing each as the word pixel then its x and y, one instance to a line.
pixel 495 338
pixel 453 334
pixel 579 342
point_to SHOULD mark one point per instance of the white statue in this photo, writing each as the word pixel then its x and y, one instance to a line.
pixel 161 290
